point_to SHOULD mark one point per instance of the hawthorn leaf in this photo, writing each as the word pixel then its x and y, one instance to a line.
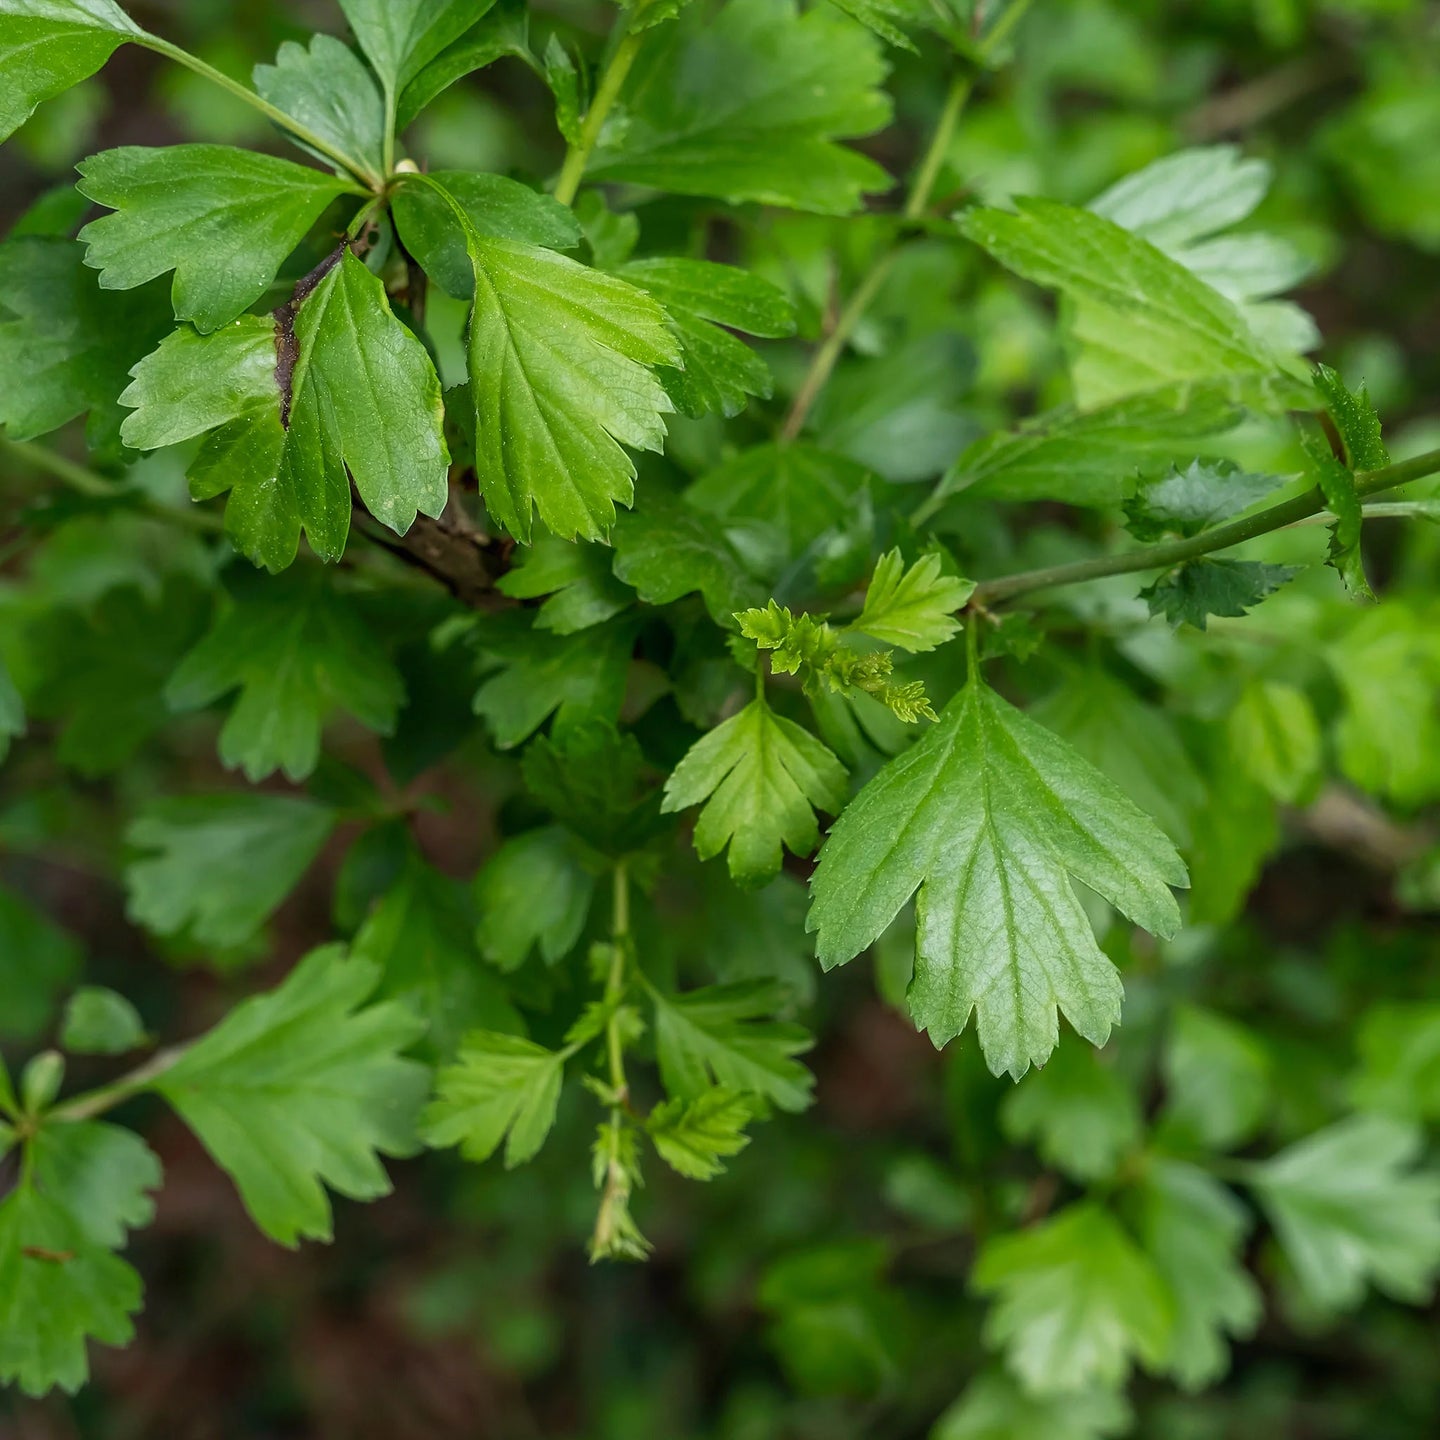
pixel 296 652
pixel 913 608
pixel 504 30
pixel 46 46
pixel 401 37
pixel 224 220
pixel 1217 1078
pixel 720 1035
pixel 889 19
pixel 1337 484
pixel 987 816
pixel 665 549
pixel 38 959
pixel 61 1284
pixel 747 105
pixel 301 1088
pixel 559 362
pixel 1186 196
pixel 495 206
pixel 1399 1060
pixel 217 866
pixel 577 579
pixel 539 862
pixel 99 1022
pixel 500 1088
pixel 1083 457
pixel 705 302
pixel 1191 1227
pixel 1080 1112
pixel 1076 1302
pixel 1185 502
pixel 12 711
pixel 1349 1210
pixel 1274 734
pixel 996 1407
pixel 1200 588
pixel 1232 837
pixel 1355 420
pixel 760 777
pixel 327 88
pixel 693 1136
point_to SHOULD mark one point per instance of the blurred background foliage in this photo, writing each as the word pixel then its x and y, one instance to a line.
pixel 818 1290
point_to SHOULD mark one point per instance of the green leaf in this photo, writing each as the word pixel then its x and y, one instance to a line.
pixel 297 652
pixel 497 207
pixel 1355 420
pixel 1084 457
pixel 1217 1078
pixel 502 1087
pixel 986 817
pixel 1349 1210
pixel 301 1088
pixel 60 1285
pixel 1185 502
pixel 558 357
pixel 889 19
pixel 719 371
pixel 72 341
pixel 12 711
pixel 1174 326
pixel 329 91
pixel 401 37
pixel 37 960
pixel 1234 834
pixel 224 220
pixel 575 677
pixel 1399 1060
pixel 421 937
pixel 1080 1112
pixel 721 1035
pixel 1276 737
pixel 578 579
pixel 915 608
pixel 1201 588
pixel 503 31
pixel 666 549
pixel 1076 1302
pixel 218 866
pixel 1192 1228
pixel 693 1136
pixel 747 105
pixel 995 1407
pixel 539 862
pixel 1342 499
pixel 46 46
pixel 100 1022
pixel 761 777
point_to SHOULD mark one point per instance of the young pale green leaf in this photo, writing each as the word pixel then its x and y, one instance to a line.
pixel 84 1188
pixel 217 866
pixel 327 88
pixel 720 372
pixel 1355 420
pixel 1200 588
pixel 1084 457
pixel 559 356
pixel 541 862
pixel 301 1088
pixel 693 1136
pixel 297 653
pixel 504 30
pixel 1276 737
pixel 46 46
pixel 915 608
pixel 100 1022
pixel 1349 1210
pixel 12 711
pixel 37 961
pixel 577 578
pixel 1399 1061
pixel 761 777
pixel 1185 502
pixel 722 1035
pixel 748 104
pixel 1217 1078
pixel 986 817
pixel 1192 1227
pixel 666 549
pixel 1076 1302
pixel 574 677
pixel 224 220
pixel 501 1087
pixel 497 207
pixel 1081 1114
pixel 401 37
pixel 996 1407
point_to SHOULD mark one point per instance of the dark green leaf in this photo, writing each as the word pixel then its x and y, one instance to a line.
pixel 503 31
pixel 37 960
pixel 100 1022
pixel 578 579
pixel 1355 420
pixel 1185 502
pixel 1201 588
pixel 541 862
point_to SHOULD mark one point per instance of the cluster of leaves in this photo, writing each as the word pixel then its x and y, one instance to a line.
pixel 509 498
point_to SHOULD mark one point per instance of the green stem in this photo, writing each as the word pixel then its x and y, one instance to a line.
pixel 360 171
pixel 615 983
pixel 1175 552
pixel 612 81
pixel 97 1102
